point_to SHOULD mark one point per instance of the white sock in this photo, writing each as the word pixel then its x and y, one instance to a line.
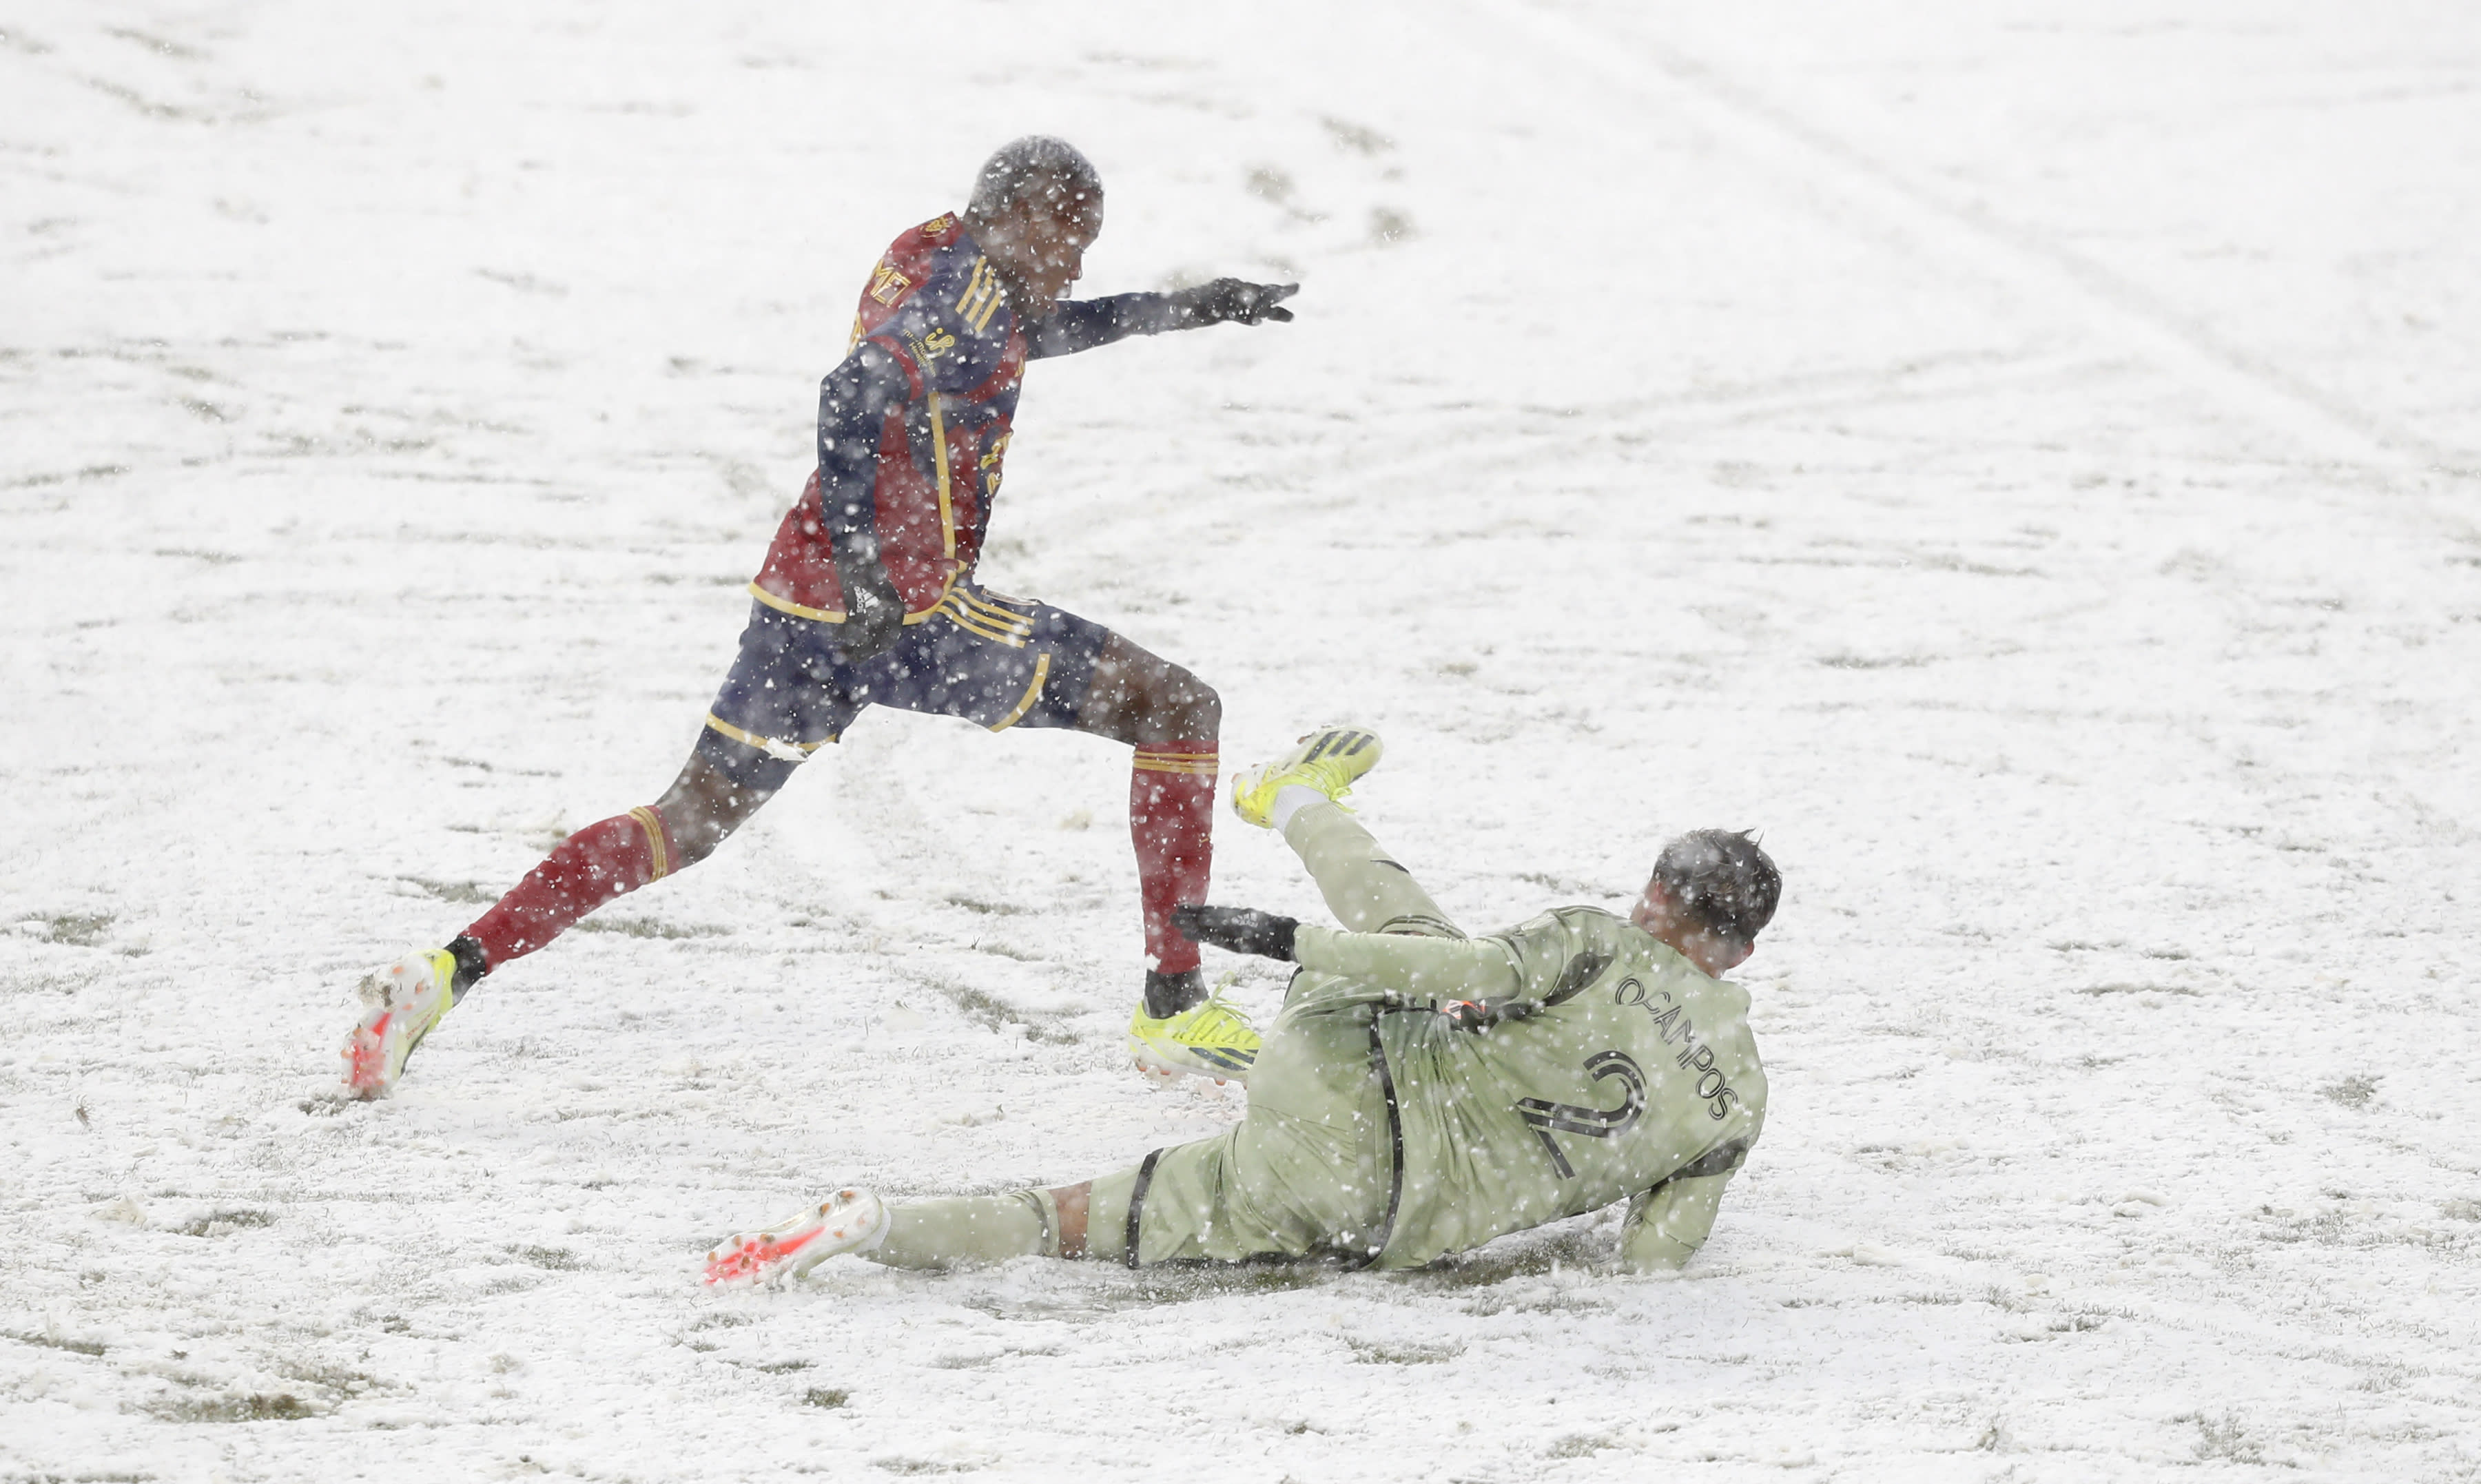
pixel 1290 799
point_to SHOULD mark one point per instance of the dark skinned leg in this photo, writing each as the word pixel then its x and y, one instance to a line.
pixel 1145 701
pixel 698 811
pixel 703 807
pixel 1136 697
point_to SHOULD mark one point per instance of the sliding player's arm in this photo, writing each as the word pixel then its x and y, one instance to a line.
pixel 1446 970
pixel 1084 323
pixel 1478 982
pixel 1666 1224
pixel 1418 967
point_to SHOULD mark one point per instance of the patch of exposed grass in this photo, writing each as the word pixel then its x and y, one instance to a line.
pixel 341 1380
pixel 2225 1438
pixel 257 1407
pixel 724 1318
pixel 987 907
pixel 989 1010
pixel 1377 1352
pixel 2350 1092
pixel 452 890
pixel 1532 1255
pixel 2138 989
pixel 645 927
pixel 54 1342
pixel 77 929
pixel 223 1223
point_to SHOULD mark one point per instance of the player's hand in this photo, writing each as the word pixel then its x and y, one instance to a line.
pixel 1237 930
pixel 1235 299
pixel 874 611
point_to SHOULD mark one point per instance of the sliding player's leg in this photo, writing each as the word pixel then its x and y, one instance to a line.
pixel 779 705
pixel 1295 796
pixel 1306 1172
pixel 1309 1169
pixel 1363 885
pixel 972 1231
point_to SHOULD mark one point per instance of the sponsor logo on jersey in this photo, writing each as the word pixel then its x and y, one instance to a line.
pixel 990 463
pixel 887 285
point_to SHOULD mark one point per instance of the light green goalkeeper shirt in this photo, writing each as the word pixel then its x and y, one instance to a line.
pixel 1634 1077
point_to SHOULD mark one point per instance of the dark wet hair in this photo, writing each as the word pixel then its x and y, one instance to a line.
pixel 1722 880
pixel 1036 164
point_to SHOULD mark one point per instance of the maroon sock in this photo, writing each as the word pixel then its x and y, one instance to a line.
pixel 1172 821
pixel 589 869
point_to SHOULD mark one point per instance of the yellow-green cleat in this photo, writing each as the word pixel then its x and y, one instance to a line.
pixel 1213 1039
pixel 1330 760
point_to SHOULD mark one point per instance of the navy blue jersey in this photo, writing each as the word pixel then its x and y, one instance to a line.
pixel 914 425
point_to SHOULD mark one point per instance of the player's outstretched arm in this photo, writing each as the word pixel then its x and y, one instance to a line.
pixel 1239 931
pixel 1081 324
pixel 1448 969
pixel 1444 969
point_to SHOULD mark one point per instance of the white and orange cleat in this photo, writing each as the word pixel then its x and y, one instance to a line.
pixel 402 1002
pixel 846 1221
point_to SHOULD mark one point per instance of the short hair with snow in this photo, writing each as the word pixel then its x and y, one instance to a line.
pixel 1722 881
pixel 1036 165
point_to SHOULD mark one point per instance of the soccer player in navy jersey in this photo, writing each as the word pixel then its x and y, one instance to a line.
pixel 866 598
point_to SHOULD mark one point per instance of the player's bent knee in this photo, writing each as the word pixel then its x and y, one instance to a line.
pixel 1205 707
pixel 1187 707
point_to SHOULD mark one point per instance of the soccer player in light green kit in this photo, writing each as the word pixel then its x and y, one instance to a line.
pixel 1422 1092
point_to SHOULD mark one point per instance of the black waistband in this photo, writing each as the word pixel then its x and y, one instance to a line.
pixel 1137 1204
pixel 1376 1246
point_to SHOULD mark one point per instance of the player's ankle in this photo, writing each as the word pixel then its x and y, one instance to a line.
pixel 471 965
pixel 1290 799
pixel 1169 993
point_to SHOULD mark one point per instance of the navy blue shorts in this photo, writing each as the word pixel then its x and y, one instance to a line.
pixel 998 661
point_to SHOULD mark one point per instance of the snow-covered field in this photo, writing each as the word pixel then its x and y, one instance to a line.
pixel 2020 454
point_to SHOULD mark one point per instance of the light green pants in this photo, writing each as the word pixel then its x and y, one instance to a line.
pixel 1306 1170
